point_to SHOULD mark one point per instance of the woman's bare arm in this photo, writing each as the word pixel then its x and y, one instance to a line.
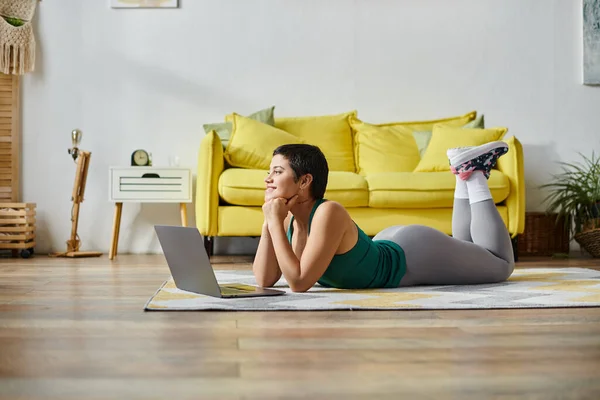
pixel 265 267
pixel 326 235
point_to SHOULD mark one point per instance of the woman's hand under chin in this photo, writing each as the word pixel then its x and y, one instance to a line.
pixel 268 197
pixel 276 209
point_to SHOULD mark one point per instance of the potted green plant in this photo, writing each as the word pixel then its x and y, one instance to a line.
pixel 575 196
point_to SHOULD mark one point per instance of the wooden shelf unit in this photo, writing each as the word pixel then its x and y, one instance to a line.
pixel 17 220
pixel 10 133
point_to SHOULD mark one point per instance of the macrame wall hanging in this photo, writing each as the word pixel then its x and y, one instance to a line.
pixel 17 43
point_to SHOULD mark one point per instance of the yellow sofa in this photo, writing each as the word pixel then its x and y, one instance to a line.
pixel 372 177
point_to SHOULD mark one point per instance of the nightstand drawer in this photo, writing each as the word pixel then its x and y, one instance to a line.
pixel 150 184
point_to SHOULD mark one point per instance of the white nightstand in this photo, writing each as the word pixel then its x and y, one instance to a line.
pixel 147 185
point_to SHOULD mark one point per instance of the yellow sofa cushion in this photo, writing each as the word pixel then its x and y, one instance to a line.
pixel 246 187
pixel 443 138
pixel 223 129
pixel 252 143
pixel 383 148
pixel 422 129
pixel 423 137
pixel 331 133
pixel 427 125
pixel 424 190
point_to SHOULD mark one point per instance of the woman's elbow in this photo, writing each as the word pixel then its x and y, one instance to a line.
pixel 299 287
pixel 263 280
pixel 265 283
pixel 301 283
pixel 266 280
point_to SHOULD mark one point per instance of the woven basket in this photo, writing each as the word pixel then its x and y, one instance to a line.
pixel 543 235
pixel 590 241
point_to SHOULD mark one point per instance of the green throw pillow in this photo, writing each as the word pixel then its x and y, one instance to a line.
pixel 423 137
pixel 223 129
pixel 477 123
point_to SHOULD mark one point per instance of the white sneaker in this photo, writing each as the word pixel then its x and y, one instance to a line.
pixel 455 151
pixel 465 160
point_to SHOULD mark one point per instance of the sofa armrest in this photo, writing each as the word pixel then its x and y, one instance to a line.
pixel 511 164
pixel 210 168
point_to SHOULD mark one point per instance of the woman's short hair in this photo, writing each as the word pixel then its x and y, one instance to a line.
pixel 307 159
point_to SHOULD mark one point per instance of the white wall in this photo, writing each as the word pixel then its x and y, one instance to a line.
pixel 150 78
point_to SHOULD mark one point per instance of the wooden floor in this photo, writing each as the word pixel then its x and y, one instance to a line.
pixel 76 329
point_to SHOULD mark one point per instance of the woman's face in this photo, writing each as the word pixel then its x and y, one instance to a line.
pixel 280 179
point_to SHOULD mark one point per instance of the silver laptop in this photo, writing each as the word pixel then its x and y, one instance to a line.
pixel 190 266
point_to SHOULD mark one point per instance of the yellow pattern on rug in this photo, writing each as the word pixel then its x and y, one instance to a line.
pixel 165 295
pixel 387 300
pixel 586 285
pixel 595 298
pixel 535 275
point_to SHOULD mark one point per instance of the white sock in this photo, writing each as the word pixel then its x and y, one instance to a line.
pixel 478 188
pixel 460 190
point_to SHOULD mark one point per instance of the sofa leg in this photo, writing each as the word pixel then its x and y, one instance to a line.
pixel 515 246
pixel 209 242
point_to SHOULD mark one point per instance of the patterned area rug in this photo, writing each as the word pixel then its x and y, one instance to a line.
pixel 526 288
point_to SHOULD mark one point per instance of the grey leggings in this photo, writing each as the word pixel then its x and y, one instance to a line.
pixel 479 251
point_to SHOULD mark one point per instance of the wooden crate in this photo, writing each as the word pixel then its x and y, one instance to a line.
pixel 17 228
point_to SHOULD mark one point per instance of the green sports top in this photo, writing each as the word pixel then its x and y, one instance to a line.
pixel 369 264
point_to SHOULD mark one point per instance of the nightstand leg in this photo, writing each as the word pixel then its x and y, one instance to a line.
pixel 116 226
pixel 183 210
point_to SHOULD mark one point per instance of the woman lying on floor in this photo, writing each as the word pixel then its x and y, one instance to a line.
pixel 310 239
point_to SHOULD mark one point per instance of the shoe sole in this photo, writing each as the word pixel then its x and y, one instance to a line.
pixel 476 152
